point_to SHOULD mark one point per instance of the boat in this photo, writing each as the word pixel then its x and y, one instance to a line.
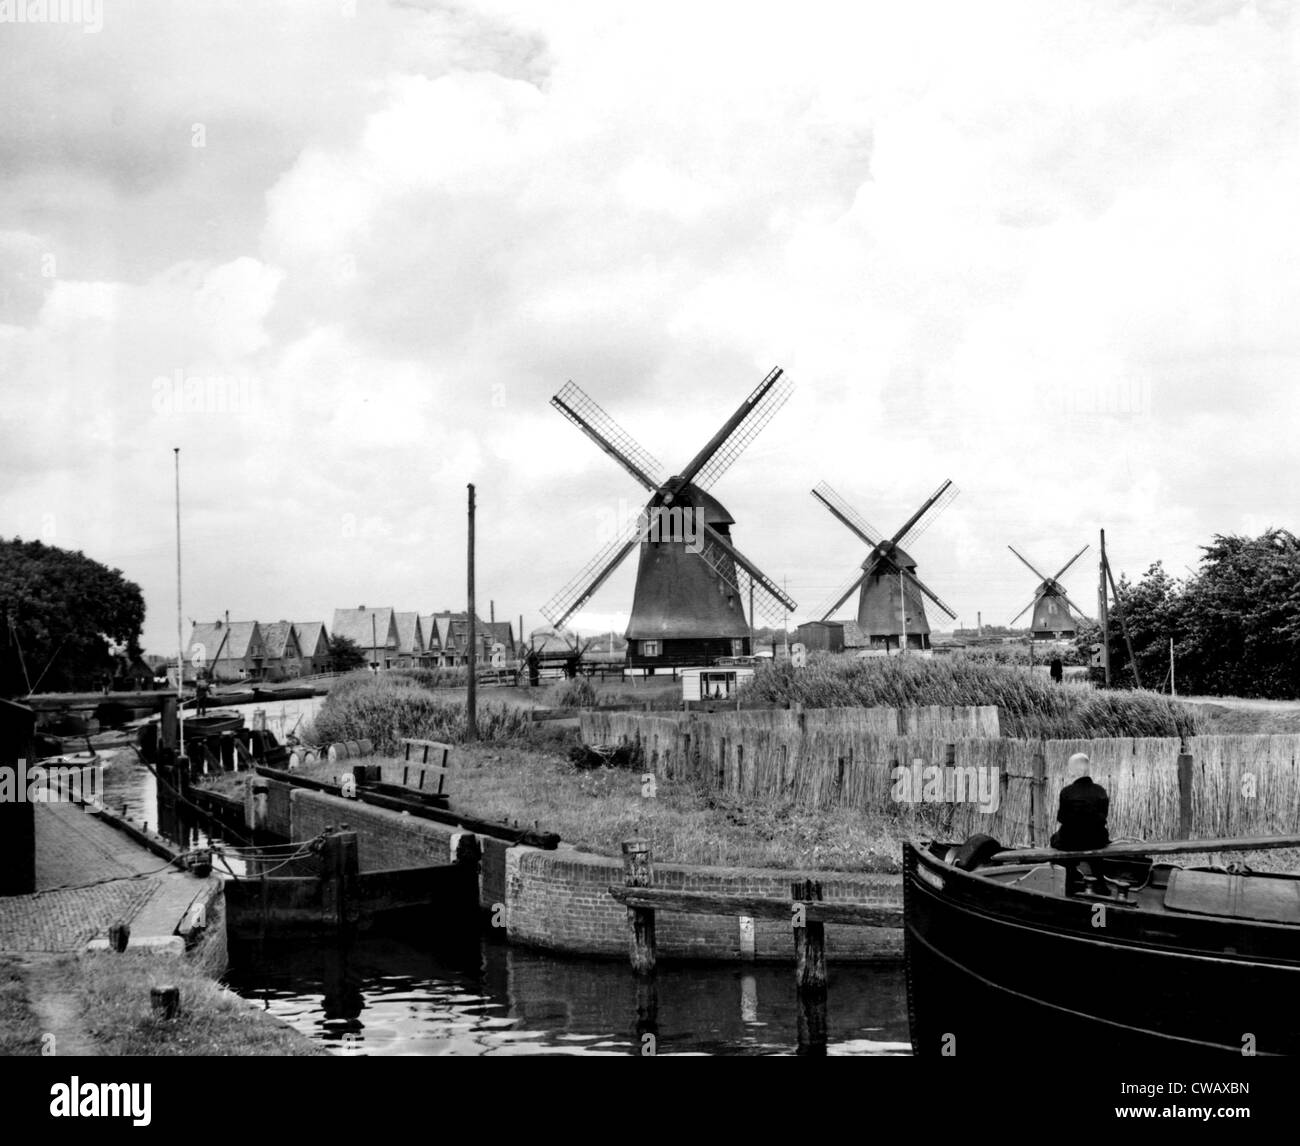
pixel 232 696
pixel 212 724
pixel 272 692
pixel 1171 961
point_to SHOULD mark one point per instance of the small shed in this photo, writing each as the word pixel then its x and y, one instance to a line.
pixel 825 636
pixel 717 683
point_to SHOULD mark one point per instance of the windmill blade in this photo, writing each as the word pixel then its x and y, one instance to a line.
pixel 1068 563
pixel 938 502
pixel 1032 602
pixel 1077 611
pixel 1031 569
pixel 929 593
pixel 842 594
pixel 584 413
pixel 769 598
pixel 739 430
pixel 847 514
pixel 592 575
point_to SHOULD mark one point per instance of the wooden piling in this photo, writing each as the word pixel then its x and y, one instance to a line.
pixel 638 871
pixel 1185 795
pixel 810 969
pixel 339 867
pixel 1038 801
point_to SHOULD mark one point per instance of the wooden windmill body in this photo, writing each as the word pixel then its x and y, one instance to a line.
pixel 692 583
pixel 891 601
pixel 1054 613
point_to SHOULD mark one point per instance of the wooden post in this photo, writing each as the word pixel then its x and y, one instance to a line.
pixel 810 968
pixel 468 856
pixel 165 1002
pixel 119 935
pixel 339 867
pixel 638 871
pixel 1038 801
pixel 1185 795
pixel 471 699
pixel 1103 611
pixel 168 728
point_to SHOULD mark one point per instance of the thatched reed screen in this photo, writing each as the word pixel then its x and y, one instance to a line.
pixel 1241 785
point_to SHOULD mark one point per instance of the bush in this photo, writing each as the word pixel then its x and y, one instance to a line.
pixel 576 693
pixel 1029 706
pixel 387 708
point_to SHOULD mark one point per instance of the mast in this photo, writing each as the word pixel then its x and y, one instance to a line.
pixel 1103 611
pixel 471 699
pixel 180 634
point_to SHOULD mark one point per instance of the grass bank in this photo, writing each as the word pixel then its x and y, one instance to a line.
pixel 1029 706
pixel 20 1029
pixel 113 990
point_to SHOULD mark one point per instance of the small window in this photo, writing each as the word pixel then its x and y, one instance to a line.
pixel 738 647
pixel 649 648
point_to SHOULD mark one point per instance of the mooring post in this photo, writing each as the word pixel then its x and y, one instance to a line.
pixel 119 935
pixel 259 791
pixel 165 1001
pixel 1038 799
pixel 810 967
pixel 638 871
pixel 1184 795
pixel 468 856
pixel 339 867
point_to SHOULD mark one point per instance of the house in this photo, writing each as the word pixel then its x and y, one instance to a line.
pixel 374 631
pixel 226 650
pixel 503 633
pixel 314 646
pixel 410 640
pixel 432 657
pixel 283 655
pixel 452 635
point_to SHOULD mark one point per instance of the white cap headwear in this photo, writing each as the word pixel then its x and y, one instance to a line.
pixel 1077 765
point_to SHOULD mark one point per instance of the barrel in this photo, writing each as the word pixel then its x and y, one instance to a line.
pixel 350 749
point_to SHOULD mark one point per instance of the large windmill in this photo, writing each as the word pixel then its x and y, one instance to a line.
pixel 692 583
pixel 1052 618
pixel 891 611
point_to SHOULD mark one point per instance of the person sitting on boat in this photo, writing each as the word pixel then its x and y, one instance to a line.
pixel 1082 813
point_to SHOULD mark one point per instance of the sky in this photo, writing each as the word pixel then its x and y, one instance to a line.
pixel 341 254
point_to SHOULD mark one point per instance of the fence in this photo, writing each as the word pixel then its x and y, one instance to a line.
pixel 1239 785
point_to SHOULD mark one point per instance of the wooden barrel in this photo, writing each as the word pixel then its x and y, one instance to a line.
pixel 337 751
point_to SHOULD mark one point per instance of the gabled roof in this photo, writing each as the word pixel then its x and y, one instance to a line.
pixel 279 639
pixel 410 633
pixel 429 627
pixel 311 637
pixel 221 641
pixel 500 631
pixel 367 628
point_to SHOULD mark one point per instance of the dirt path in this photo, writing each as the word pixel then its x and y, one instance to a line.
pixel 58 1010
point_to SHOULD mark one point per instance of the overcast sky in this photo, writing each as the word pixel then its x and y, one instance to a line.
pixel 1049 251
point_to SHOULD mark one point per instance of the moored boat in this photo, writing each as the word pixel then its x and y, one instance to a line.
pixel 1171 961
pixel 283 692
pixel 232 696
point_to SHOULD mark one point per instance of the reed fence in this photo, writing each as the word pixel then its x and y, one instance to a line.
pixel 1235 785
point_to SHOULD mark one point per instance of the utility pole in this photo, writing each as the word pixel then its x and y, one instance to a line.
pixel 902 612
pixel 1123 626
pixel 1171 667
pixel 471 700
pixel 1103 611
pixel 374 645
pixel 753 630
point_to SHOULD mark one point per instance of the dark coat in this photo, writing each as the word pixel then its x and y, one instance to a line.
pixel 1082 815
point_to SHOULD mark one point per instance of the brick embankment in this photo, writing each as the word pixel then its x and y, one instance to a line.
pixel 560 899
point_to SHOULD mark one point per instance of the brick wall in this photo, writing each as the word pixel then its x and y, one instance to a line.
pixel 560 899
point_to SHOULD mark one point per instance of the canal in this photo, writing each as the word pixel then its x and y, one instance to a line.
pixel 407 996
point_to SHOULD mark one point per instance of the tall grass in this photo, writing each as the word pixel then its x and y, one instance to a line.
pixel 1029 706
pixel 386 708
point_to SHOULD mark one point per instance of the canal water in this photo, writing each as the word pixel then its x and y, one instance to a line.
pixel 408 996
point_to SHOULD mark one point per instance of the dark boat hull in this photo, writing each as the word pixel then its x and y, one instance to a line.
pixel 216 699
pixel 991 969
pixel 284 692
pixel 213 724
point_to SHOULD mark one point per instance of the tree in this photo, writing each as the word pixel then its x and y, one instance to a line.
pixel 60 611
pixel 346 654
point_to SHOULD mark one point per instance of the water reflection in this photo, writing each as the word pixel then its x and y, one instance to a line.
pixel 390 997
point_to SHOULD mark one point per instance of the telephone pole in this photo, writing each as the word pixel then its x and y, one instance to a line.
pixel 1103 611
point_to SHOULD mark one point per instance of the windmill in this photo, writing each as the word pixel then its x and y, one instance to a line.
pixel 891 611
pixel 692 582
pixel 1052 619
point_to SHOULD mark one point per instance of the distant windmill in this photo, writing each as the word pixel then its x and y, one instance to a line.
pixel 891 612
pixel 1052 619
pixel 692 582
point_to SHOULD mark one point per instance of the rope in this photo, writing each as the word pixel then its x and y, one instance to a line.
pixel 117 878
